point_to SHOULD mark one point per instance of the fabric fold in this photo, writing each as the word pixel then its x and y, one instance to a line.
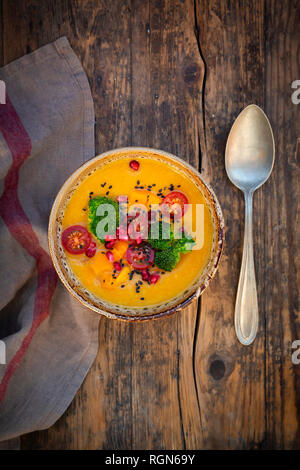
pixel 46 132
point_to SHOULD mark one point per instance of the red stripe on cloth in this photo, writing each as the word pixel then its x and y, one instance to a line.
pixel 19 226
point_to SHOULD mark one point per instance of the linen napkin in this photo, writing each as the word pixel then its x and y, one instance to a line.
pixel 48 340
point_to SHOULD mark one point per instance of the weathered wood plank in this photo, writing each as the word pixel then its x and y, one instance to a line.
pixel 258 393
pixel 166 92
pixel 281 242
pixel 230 377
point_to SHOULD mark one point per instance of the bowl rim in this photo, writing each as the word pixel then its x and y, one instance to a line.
pixel 181 304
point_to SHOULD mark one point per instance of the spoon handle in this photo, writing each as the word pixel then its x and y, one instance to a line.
pixel 246 306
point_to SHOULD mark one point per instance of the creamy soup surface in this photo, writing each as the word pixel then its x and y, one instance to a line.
pixel 125 285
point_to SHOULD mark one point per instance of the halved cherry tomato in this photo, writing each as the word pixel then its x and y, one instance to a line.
pixel 140 256
pixel 76 239
pixel 174 203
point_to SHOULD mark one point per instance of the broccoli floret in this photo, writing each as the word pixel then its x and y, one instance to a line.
pixel 167 259
pixel 184 244
pixel 94 219
pixel 161 243
pixel 168 251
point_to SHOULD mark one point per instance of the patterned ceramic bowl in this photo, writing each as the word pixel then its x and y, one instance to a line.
pixel 122 312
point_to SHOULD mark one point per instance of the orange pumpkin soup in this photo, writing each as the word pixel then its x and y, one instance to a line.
pixel 138 270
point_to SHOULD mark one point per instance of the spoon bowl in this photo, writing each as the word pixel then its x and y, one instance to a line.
pixel 249 160
pixel 249 155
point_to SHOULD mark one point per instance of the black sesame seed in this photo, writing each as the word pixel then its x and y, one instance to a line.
pixel 107 193
pixel 142 298
pixel 109 187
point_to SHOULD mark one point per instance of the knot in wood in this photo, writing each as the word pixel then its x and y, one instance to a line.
pixel 217 369
pixel 191 73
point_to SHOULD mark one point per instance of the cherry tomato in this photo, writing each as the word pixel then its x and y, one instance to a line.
pixel 174 203
pixel 140 256
pixel 76 239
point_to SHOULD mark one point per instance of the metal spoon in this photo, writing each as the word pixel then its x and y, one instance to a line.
pixel 249 159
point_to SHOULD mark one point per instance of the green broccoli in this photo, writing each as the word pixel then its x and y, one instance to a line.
pixel 183 243
pixel 161 243
pixel 167 259
pixel 94 219
pixel 168 251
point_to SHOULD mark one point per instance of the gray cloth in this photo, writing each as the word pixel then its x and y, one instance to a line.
pixel 46 132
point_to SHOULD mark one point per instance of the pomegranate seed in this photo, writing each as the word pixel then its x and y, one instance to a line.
pixel 134 165
pixel 90 252
pixel 109 238
pixel 138 240
pixel 154 278
pixel 122 198
pixel 109 245
pixel 110 256
pixel 117 266
pixel 145 275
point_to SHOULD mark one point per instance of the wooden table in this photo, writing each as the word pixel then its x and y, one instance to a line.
pixel 173 75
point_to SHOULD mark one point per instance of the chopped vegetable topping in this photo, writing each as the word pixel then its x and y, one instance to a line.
pixel 119 249
pixel 175 203
pixel 167 259
pixel 168 251
pixel 94 219
pixel 161 249
pixel 76 239
pixel 165 235
pixel 140 256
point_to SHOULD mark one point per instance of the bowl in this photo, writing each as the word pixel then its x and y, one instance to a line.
pixel 121 312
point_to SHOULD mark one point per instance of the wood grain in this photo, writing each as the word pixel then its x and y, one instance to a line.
pixel 230 376
pixel 174 75
pixel 281 290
